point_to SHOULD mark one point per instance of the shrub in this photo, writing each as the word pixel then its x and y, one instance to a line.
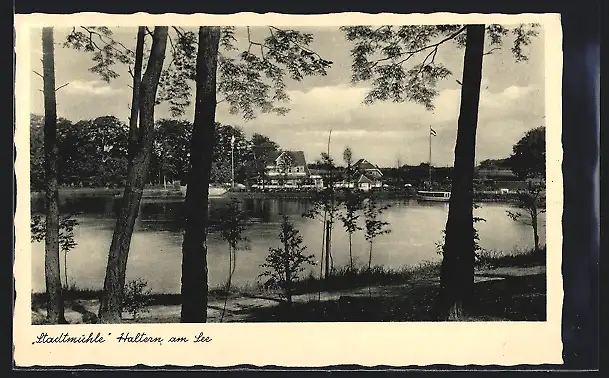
pixel 283 265
pixel 136 297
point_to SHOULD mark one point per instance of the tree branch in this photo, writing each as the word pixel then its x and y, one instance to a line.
pixel 38 74
pixel 104 39
pixel 296 44
pixel 173 49
pixel 413 52
pixel 56 89
pixel 491 50
pixel 180 33
pixel 252 43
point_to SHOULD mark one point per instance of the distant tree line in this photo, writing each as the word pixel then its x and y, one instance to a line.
pixel 526 162
pixel 93 153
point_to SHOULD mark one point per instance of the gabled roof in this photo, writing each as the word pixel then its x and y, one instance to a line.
pixel 297 156
pixel 364 164
pixel 365 179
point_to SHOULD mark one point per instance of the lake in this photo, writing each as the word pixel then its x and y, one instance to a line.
pixel 155 253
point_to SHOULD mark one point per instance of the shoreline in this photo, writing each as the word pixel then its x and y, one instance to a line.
pixel 175 195
pixel 521 271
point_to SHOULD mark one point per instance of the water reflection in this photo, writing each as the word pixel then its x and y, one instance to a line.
pixel 155 253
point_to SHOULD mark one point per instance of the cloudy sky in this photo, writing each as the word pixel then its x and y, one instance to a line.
pixel 512 102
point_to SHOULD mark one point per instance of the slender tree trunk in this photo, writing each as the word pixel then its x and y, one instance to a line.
pixel 370 257
pixel 351 251
pixel 65 267
pixel 114 283
pixel 52 272
pixel 457 271
pixel 229 281
pixel 370 269
pixel 230 267
pixel 321 265
pixel 535 229
pixel 328 247
pixel 288 277
pixel 331 226
pixel 234 249
pixel 194 247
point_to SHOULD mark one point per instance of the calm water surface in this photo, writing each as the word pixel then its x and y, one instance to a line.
pixel 155 253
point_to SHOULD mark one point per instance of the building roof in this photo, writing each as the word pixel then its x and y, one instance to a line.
pixel 364 165
pixel 297 156
pixel 364 178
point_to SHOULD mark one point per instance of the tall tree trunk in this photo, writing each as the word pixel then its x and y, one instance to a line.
pixel 328 249
pixel 288 276
pixel 370 257
pixel 321 259
pixel 229 281
pixel 370 269
pixel 111 301
pixel 351 251
pixel 194 247
pixel 135 96
pixel 331 226
pixel 234 250
pixel 52 272
pixel 457 271
pixel 534 215
pixel 65 268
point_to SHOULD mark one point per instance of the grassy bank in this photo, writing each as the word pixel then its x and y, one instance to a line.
pixel 509 287
pixel 520 259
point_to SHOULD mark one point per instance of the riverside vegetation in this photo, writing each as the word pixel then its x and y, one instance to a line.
pixel 512 285
pixel 212 61
pixel 332 295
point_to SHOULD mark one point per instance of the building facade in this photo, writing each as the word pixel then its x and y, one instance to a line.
pixel 367 175
pixel 288 169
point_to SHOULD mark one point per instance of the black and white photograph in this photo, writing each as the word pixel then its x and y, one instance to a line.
pixel 289 173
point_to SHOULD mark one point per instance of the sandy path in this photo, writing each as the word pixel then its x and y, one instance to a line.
pixel 81 311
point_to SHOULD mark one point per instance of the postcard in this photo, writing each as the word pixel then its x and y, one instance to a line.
pixel 297 191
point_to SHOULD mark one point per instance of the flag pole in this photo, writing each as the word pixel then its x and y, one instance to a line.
pixel 429 157
pixel 232 160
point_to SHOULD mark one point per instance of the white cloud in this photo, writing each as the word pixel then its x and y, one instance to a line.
pixel 384 130
pixel 341 107
pixel 90 87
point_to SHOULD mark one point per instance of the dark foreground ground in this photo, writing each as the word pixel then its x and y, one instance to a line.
pixel 499 298
pixel 511 288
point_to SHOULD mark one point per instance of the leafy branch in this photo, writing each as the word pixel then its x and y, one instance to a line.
pixel 380 55
pixel 248 80
pixel 107 52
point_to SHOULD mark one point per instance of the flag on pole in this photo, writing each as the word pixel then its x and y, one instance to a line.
pixel 432 131
pixel 232 141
